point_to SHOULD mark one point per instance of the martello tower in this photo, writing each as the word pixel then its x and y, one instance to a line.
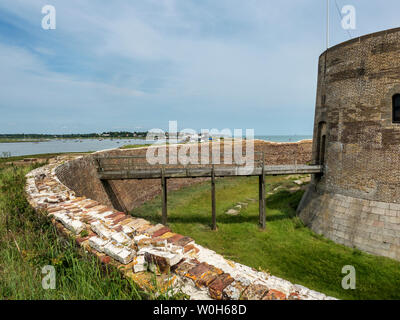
pixel 356 201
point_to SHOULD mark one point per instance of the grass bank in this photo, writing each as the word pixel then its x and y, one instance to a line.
pixel 28 242
pixel 44 156
pixel 287 249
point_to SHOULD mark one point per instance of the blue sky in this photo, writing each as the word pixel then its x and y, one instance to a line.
pixel 131 65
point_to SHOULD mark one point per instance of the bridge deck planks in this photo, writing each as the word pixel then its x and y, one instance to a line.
pixel 156 173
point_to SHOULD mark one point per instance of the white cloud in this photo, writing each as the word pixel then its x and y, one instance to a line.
pixel 157 60
pixel 26 82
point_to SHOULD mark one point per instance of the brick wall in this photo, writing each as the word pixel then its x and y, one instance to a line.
pixel 80 174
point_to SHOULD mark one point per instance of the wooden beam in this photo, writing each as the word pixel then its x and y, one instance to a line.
pixel 213 201
pixel 164 218
pixel 154 173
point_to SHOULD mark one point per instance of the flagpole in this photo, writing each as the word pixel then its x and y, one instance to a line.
pixel 327 24
pixel 327 37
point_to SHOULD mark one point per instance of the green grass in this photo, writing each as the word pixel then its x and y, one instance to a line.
pixel 28 242
pixel 39 156
pixel 287 249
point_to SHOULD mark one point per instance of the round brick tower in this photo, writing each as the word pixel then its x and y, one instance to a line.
pixel 356 201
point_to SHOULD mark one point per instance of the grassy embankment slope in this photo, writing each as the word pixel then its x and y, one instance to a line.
pixel 28 242
pixel 39 157
pixel 287 249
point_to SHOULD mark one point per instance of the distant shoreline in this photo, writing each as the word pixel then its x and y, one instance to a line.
pixel 268 138
pixel 52 146
pixel 18 140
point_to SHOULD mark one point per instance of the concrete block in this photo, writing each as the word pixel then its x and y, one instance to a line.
pixel 139 264
pixel 121 238
pixel 140 238
pixel 98 243
pixel 119 252
pixel 163 259
pixel 75 226
pixel 128 231
pixel 99 228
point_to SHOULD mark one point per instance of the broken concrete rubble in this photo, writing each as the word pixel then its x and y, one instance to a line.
pixel 98 243
pixel 119 252
pixel 121 238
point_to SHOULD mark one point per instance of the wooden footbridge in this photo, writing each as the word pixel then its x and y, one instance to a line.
pixel 134 167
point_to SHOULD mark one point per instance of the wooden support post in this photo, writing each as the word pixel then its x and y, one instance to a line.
pixel 164 218
pixel 262 206
pixel 260 200
pixel 213 200
pixel 261 197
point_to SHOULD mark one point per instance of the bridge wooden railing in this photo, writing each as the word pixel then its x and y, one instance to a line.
pixel 136 167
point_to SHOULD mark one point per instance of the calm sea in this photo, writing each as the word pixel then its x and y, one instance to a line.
pixel 293 138
pixel 84 145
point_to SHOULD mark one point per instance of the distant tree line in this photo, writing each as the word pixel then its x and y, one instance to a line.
pixel 111 134
pixel 125 134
